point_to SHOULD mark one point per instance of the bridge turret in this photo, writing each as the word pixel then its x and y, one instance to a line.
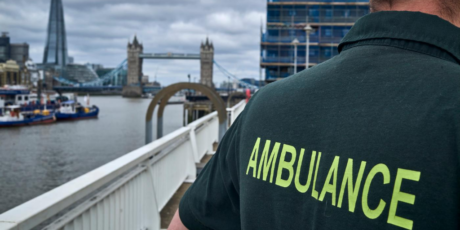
pixel 133 87
pixel 207 62
pixel 134 62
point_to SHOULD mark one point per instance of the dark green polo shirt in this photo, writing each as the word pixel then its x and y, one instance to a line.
pixel 367 140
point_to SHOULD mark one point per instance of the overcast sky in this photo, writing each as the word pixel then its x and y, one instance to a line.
pixel 98 32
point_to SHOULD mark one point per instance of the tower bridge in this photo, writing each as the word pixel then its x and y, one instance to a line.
pixel 136 57
pixel 126 77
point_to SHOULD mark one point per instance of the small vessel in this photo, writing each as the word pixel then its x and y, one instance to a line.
pixel 23 97
pixel 70 110
pixel 12 116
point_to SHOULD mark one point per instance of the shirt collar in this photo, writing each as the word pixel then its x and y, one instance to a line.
pixel 430 30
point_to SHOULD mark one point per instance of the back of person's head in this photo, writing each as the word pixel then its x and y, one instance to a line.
pixel 446 9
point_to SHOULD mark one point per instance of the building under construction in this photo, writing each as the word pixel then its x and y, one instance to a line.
pixel 286 21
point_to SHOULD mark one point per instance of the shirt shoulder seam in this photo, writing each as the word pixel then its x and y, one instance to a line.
pixel 349 46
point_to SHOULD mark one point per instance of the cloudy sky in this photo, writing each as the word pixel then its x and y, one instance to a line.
pixel 98 32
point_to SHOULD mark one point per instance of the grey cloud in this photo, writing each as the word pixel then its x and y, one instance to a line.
pixel 98 31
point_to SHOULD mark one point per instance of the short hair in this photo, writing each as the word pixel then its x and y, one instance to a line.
pixel 380 5
pixel 448 8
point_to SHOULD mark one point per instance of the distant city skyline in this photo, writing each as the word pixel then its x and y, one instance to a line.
pixel 98 32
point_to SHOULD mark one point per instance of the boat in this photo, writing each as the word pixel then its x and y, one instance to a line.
pixel 70 110
pixel 12 116
pixel 23 97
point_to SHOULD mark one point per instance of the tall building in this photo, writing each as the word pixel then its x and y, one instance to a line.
pixel 286 21
pixel 5 52
pixel 56 61
pixel 56 42
pixel 20 53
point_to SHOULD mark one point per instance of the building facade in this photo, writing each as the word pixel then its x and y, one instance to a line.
pixel 56 43
pixel 79 73
pixel 20 53
pixel 9 73
pixel 286 21
pixel 4 47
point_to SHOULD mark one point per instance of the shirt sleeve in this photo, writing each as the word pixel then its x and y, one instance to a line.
pixel 212 202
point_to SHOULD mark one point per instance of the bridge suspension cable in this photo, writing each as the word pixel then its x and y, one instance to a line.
pixel 228 74
pixel 117 72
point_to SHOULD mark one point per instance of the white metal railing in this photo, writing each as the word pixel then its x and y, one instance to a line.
pixel 235 111
pixel 127 193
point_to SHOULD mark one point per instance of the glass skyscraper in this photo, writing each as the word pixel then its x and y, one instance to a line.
pixel 56 42
pixel 286 20
pixel 4 47
pixel 55 58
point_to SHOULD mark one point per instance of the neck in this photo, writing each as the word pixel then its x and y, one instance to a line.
pixel 445 12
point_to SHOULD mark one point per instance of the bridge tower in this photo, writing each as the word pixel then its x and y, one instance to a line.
pixel 133 87
pixel 207 58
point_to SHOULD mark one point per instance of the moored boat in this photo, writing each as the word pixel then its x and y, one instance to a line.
pixel 12 116
pixel 70 110
pixel 28 101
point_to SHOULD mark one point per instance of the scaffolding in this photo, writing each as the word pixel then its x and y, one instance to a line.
pixel 286 20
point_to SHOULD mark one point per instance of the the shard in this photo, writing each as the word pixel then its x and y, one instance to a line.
pixel 56 42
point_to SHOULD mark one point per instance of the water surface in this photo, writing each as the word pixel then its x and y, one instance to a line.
pixel 36 159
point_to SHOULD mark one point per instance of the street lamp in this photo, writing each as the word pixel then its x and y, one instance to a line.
pixel 295 43
pixel 189 83
pixel 308 31
pixel 228 86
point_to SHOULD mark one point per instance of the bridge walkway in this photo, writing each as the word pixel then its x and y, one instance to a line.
pixel 173 204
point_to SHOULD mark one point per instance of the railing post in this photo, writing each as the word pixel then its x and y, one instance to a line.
pixel 192 159
pixel 155 221
pixel 222 129
pixel 148 132
pixel 159 127
pixel 194 144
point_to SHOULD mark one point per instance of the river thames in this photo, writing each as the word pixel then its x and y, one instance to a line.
pixel 36 159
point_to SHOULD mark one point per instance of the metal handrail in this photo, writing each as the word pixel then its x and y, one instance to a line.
pixel 39 209
pixel 235 111
pixel 48 205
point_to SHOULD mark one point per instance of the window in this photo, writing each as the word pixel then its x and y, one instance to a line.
pixel 313 12
pixel 328 32
pixel 19 98
pixel 329 13
pixel 26 98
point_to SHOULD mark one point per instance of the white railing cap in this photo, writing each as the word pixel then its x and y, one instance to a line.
pixel 237 106
pixel 203 120
pixel 47 205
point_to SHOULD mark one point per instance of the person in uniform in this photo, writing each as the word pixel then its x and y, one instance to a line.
pixel 367 140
